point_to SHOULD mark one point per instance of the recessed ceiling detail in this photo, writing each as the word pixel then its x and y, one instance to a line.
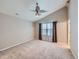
pixel 10 7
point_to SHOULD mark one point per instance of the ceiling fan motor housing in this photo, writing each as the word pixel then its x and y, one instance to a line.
pixel 37 9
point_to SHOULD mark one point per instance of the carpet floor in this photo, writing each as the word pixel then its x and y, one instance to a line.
pixel 37 49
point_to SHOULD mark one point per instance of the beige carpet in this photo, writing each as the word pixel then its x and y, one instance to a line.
pixel 36 49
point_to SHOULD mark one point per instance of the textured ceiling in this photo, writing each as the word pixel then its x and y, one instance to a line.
pixel 24 7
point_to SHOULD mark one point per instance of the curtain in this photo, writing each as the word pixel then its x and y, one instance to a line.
pixel 54 37
pixel 40 32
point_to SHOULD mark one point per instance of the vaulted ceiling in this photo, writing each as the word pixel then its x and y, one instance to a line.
pixel 24 7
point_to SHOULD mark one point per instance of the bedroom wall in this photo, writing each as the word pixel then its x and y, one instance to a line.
pixel 61 17
pixel 14 31
pixel 73 17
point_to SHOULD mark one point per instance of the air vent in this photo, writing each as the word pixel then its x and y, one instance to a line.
pixel 17 13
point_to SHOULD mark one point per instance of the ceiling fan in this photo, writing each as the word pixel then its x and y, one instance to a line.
pixel 37 10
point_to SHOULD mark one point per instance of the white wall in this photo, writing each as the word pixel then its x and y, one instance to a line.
pixel 73 16
pixel 61 17
pixel 14 31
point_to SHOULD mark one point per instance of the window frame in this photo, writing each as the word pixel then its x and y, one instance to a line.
pixel 47 29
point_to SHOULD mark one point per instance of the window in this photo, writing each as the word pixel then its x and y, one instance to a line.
pixel 47 29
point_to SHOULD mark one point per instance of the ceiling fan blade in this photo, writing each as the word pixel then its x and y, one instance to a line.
pixel 42 11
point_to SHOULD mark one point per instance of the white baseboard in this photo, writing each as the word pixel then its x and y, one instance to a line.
pixel 73 54
pixel 14 45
